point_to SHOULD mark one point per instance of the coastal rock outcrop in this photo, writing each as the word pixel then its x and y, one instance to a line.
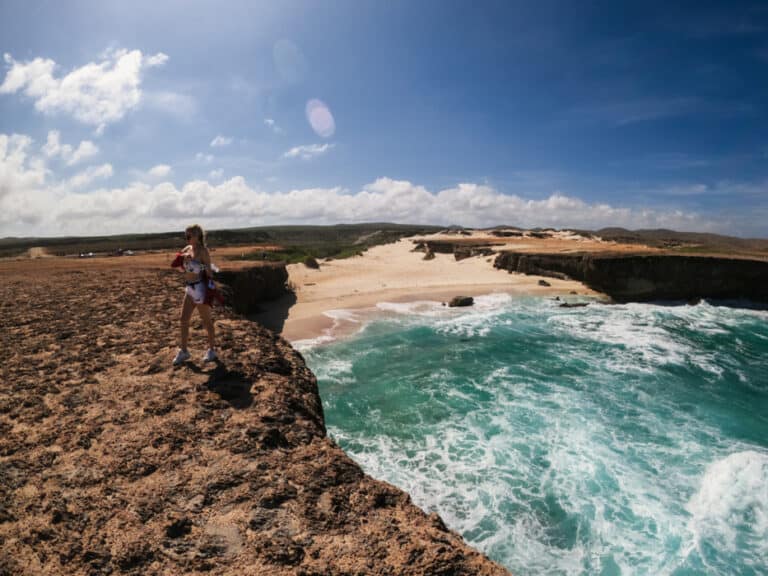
pixel 459 301
pixel 639 278
pixel 460 250
pixel 247 288
pixel 311 262
pixel 114 462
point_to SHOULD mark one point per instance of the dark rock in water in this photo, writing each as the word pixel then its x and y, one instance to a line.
pixel 461 301
pixel 429 255
pixel 694 301
pixel 311 263
pixel 544 283
pixel 574 304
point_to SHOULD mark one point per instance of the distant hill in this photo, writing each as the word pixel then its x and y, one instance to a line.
pixel 339 234
pixel 687 242
pixel 367 234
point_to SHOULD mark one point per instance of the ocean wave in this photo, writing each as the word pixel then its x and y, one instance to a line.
pixel 565 440
pixel 729 512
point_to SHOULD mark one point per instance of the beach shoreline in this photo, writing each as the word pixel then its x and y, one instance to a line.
pixel 393 273
pixel 336 322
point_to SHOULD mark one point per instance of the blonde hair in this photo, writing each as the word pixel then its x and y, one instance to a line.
pixel 197 230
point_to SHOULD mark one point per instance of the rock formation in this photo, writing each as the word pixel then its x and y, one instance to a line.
pixel 458 301
pixel 461 252
pixel 311 262
pixel 246 289
pixel 113 462
pixel 640 278
pixel 459 249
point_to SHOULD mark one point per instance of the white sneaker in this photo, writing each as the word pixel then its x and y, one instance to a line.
pixel 181 357
pixel 210 356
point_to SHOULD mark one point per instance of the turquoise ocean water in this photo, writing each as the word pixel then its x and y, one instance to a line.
pixel 624 439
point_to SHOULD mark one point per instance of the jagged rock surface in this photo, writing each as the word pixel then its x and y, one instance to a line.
pixel 113 462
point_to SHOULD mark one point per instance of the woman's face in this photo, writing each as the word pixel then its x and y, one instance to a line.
pixel 191 237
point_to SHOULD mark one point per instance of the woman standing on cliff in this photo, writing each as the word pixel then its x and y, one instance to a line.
pixel 195 263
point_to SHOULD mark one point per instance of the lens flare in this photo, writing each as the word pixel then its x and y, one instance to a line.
pixel 320 118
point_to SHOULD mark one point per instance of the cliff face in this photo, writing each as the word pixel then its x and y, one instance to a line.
pixel 650 277
pixel 114 462
pixel 247 288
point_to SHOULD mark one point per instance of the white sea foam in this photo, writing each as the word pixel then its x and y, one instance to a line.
pixel 732 504
pixel 343 315
pixel 308 343
pixel 493 301
pixel 336 369
pixel 582 471
pixel 644 335
pixel 468 476
pixel 340 317
pixel 423 308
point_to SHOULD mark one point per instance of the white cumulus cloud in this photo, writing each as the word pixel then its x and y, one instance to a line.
pixel 308 151
pixel 33 202
pixel 53 147
pixel 90 174
pixel 220 141
pixel 272 125
pixel 160 171
pixel 98 93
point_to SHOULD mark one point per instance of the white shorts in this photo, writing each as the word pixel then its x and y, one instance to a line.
pixel 196 291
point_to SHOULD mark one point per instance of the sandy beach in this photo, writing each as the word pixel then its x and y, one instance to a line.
pixel 394 273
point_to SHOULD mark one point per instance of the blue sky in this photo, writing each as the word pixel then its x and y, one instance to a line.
pixel 144 116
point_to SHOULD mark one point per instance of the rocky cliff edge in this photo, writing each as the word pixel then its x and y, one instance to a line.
pixel 113 462
pixel 647 277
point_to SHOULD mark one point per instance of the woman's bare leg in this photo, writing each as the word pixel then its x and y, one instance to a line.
pixel 186 313
pixel 205 314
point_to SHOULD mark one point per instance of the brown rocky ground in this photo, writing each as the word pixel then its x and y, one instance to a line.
pixel 113 462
